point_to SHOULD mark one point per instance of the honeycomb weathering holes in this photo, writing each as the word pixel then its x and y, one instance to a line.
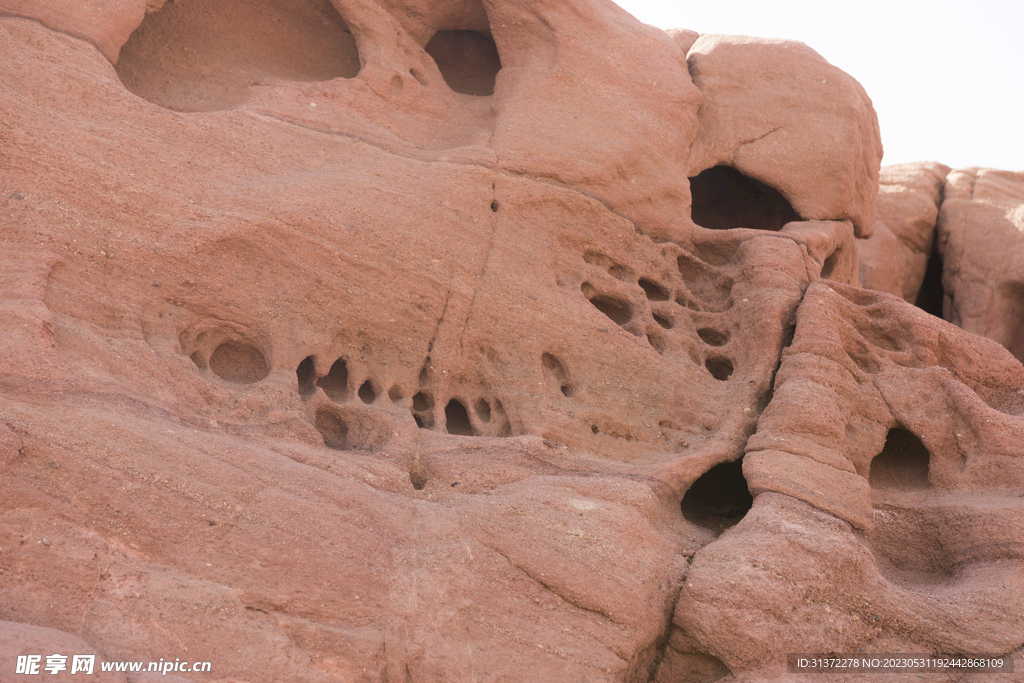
pixel 719 498
pixel 903 463
pixel 238 362
pixel 203 55
pixel 724 198
pixel 468 61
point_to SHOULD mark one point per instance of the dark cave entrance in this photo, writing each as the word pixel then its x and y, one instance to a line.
pixel 724 198
pixel 719 498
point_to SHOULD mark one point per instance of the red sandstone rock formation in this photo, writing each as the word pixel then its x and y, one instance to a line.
pixel 377 341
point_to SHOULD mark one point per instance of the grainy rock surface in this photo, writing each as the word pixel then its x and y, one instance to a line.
pixel 406 341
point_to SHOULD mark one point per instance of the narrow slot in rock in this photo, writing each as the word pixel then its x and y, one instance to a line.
pixel 367 394
pixel 239 363
pixel 719 367
pixel 724 198
pixel 335 382
pixel 456 419
pixel 306 374
pixel 902 465
pixel 483 410
pixel 931 295
pixel 468 61
pixel 663 320
pixel 719 498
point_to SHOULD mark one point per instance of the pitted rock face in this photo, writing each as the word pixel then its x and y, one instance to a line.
pixel 457 340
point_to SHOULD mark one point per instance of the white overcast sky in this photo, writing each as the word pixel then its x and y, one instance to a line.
pixel 946 78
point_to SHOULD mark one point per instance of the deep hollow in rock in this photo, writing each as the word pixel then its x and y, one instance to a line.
pixel 468 60
pixel 719 498
pixel 239 362
pixel 713 337
pixel 653 290
pixel 657 342
pixel 306 374
pixel 367 394
pixel 335 382
pixel 663 320
pixel 724 198
pixel 720 367
pixel 617 311
pixel 332 428
pixel 203 55
pixel 422 402
pixel 902 465
pixel 456 418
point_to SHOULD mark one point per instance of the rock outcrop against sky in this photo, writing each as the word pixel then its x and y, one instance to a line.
pixel 397 340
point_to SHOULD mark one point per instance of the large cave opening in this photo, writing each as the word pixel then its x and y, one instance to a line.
pixel 724 198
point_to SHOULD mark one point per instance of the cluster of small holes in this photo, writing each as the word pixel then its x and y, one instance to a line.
pixel 702 289
pixel 488 417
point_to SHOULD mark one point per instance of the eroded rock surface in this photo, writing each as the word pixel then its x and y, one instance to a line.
pixel 359 341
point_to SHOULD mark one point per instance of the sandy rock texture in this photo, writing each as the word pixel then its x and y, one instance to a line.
pixel 396 340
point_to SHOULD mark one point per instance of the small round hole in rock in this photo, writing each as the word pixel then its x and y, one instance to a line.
pixel 306 374
pixel 494 206
pixel 239 362
pixel 719 498
pixel 367 394
pixel 395 393
pixel 456 419
pixel 902 465
pixel 653 290
pixel 713 337
pixel 335 382
pixel 720 368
